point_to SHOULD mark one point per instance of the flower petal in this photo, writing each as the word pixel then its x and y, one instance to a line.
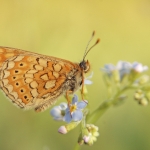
pixel 59 118
pixel 63 106
pixel 108 69
pixel 90 76
pixel 62 130
pixel 86 138
pixel 138 67
pixel 145 68
pixel 77 115
pixel 124 65
pixel 75 99
pixel 56 112
pixel 88 82
pixel 67 117
pixel 81 104
pixel 124 68
pixel 67 110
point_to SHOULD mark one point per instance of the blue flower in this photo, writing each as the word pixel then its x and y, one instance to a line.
pixel 124 68
pixel 74 111
pixel 138 67
pixel 87 81
pixel 58 112
pixel 108 69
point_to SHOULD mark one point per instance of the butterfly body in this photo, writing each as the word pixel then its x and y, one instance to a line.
pixel 33 80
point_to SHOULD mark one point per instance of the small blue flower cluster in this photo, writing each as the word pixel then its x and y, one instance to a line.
pixel 71 113
pixel 124 68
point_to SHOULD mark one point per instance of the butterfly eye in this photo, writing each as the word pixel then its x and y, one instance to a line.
pixel 85 65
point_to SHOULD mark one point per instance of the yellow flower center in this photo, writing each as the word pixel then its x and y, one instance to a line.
pixel 73 108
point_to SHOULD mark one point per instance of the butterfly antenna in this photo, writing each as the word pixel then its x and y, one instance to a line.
pixel 88 44
pixel 87 50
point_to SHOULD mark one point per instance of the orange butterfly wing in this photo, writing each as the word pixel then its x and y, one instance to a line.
pixel 32 80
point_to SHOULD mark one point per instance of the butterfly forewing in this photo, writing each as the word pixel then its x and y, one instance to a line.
pixel 32 80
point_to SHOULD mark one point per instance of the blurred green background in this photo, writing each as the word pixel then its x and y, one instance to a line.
pixel 62 29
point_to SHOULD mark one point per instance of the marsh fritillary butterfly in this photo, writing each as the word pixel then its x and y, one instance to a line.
pixel 33 80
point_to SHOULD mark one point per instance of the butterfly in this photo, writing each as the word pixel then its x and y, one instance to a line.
pixel 32 80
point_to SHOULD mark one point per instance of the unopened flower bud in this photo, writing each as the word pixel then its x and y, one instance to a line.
pixel 148 95
pixel 143 102
pixel 82 135
pixel 66 128
pixel 62 130
pixel 138 95
pixel 144 79
pixel 89 134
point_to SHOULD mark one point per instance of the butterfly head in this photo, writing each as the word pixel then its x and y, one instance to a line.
pixel 85 66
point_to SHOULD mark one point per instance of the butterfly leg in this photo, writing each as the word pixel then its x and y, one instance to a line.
pixel 67 97
pixel 68 100
pixel 82 89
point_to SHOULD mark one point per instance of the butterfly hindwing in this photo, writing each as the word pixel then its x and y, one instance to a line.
pixel 32 80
